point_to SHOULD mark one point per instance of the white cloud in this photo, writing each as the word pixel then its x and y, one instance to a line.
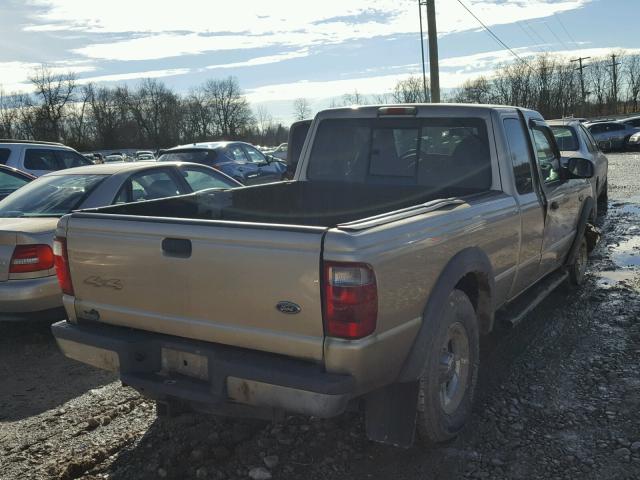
pixel 119 77
pixel 263 60
pixel 204 25
pixel 14 76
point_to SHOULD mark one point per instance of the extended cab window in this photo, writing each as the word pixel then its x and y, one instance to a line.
pixel 441 153
pixel 545 154
pixel 520 155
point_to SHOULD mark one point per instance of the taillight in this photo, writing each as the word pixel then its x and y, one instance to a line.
pixel 350 300
pixel 31 258
pixel 62 265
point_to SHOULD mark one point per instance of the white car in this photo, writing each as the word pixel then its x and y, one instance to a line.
pixel 39 158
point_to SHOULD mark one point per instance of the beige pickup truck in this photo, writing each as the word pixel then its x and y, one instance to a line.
pixel 364 282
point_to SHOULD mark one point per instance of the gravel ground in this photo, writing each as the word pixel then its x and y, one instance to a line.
pixel 558 398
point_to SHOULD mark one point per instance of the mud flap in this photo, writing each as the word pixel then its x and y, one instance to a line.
pixel 391 414
pixel 592 234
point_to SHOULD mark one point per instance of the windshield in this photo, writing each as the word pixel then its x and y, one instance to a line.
pixel 196 156
pixel 566 138
pixel 49 196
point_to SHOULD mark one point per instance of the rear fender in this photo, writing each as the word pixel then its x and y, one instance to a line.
pixel 469 261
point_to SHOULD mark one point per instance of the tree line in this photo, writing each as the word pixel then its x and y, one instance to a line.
pixel 554 86
pixel 150 115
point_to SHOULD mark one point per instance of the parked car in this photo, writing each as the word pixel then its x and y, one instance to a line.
pixel 11 179
pixel 28 218
pixel 239 160
pixel 574 140
pixel 39 158
pixel 113 158
pixel 279 152
pixel 632 121
pixel 144 155
pixel 366 281
pixel 611 135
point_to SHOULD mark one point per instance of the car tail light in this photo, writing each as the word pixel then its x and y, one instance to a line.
pixel 62 265
pixel 350 300
pixel 31 258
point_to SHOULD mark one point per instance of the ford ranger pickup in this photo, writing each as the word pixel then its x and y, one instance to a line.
pixel 365 282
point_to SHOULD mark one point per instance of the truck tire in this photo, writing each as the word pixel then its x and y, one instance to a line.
pixel 448 383
pixel 578 268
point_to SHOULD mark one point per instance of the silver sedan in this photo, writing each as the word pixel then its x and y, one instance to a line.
pixel 574 140
pixel 28 219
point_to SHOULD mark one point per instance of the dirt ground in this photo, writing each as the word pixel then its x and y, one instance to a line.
pixel 559 398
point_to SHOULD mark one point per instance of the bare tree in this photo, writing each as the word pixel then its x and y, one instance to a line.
pixel 632 73
pixel 53 92
pixel 410 90
pixel 301 108
pixel 9 115
pixel 231 112
pixel 354 98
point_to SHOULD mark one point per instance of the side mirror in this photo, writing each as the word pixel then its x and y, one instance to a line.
pixel 580 168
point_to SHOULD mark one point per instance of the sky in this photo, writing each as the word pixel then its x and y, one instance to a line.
pixel 280 50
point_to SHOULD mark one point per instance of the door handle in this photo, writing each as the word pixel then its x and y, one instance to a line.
pixel 554 206
pixel 176 247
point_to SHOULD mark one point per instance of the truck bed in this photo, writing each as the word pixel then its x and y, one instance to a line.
pixel 318 204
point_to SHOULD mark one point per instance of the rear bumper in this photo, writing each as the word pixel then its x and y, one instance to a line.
pixel 207 376
pixel 30 296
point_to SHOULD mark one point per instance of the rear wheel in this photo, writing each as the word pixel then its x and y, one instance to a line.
pixel 578 268
pixel 451 372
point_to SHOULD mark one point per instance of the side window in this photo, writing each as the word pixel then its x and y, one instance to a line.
pixel 10 182
pixel 235 152
pixel 520 155
pixel 545 154
pixel 41 159
pixel 149 185
pixel 200 179
pixel 254 155
pixel 592 146
pixel 5 153
pixel 70 159
pixel 595 129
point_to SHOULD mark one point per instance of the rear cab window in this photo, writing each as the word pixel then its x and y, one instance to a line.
pixel 442 153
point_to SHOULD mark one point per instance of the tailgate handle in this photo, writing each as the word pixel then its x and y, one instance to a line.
pixel 176 247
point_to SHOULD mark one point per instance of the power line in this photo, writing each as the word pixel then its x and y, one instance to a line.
pixel 565 29
pixel 496 38
pixel 535 42
pixel 535 32
pixel 556 36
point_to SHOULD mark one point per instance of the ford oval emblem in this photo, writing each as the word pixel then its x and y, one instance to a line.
pixel 289 308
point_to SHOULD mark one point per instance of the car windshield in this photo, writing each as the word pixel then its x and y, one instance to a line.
pixel 566 138
pixel 49 196
pixel 195 156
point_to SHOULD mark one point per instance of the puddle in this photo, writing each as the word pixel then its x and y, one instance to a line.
pixel 629 205
pixel 627 254
pixel 610 279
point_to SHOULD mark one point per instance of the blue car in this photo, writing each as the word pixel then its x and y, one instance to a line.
pixel 239 160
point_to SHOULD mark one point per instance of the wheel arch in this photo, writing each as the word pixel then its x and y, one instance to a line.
pixel 588 207
pixel 470 271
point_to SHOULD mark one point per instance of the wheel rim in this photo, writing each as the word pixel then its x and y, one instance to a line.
pixel 454 368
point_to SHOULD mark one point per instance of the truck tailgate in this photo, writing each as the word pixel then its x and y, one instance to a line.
pixel 137 273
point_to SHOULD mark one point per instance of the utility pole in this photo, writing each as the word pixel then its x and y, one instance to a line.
pixel 614 66
pixel 424 71
pixel 581 69
pixel 434 67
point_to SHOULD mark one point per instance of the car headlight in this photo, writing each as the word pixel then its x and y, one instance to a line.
pixel 635 138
